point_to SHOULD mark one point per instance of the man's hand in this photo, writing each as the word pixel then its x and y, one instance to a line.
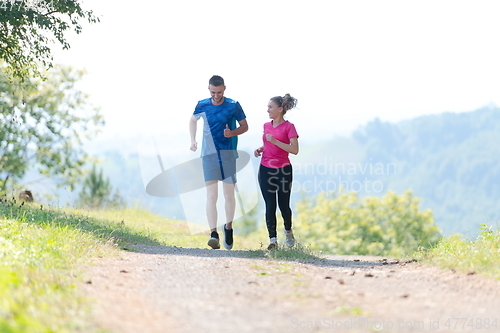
pixel 194 146
pixel 227 132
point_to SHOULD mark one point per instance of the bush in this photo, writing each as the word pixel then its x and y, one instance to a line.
pixel 343 223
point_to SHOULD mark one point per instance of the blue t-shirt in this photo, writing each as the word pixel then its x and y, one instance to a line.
pixel 215 118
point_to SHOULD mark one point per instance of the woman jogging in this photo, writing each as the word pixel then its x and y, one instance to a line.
pixel 275 171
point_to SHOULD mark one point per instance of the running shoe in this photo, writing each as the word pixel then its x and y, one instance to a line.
pixel 273 243
pixel 213 242
pixel 290 240
pixel 228 238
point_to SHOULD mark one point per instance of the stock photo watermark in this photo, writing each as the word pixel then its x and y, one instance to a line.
pixel 455 324
pixel 25 5
pixel 330 176
pixel 329 167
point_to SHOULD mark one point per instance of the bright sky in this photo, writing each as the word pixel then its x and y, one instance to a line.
pixel 346 62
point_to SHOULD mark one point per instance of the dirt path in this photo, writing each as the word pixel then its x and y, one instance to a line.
pixel 171 289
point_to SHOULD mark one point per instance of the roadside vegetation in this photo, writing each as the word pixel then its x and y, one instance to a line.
pixel 43 250
pixel 477 256
pixel 39 253
pixel 345 223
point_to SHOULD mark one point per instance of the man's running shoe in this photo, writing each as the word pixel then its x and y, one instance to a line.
pixel 213 242
pixel 228 238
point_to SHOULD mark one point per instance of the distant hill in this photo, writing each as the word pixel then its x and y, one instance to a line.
pixel 450 160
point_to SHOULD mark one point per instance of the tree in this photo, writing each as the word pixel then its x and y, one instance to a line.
pixel 43 124
pixel 97 192
pixel 29 28
pixel 343 223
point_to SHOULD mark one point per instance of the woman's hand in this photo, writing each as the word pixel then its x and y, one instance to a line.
pixel 271 138
pixel 257 152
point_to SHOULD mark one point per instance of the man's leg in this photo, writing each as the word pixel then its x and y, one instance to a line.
pixel 212 195
pixel 212 174
pixel 229 204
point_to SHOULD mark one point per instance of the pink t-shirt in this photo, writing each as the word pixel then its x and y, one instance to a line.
pixel 273 156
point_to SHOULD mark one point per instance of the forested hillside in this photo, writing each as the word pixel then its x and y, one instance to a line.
pixel 450 160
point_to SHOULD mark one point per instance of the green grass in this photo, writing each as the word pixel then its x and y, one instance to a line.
pixel 155 230
pixel 481 256
pixel 256 248
pixel 74 219
pixel 42 250
pixel 38 275
pixel 296 252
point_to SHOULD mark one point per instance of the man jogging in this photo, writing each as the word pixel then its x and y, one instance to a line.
pixel 219 153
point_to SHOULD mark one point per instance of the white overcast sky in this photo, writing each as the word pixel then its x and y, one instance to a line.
pixel 346 62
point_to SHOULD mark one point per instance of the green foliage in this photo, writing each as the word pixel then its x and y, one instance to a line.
pixel 481 255
pixel 344 223
pixel 28 30
pixel 97 192
pixel 43 125
pixel 297 252
pixel 38 272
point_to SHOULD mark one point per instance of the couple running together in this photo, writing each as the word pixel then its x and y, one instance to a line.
pixel 219 153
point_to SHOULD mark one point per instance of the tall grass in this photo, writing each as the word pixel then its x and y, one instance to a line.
pixel 481 255
pixel 38 272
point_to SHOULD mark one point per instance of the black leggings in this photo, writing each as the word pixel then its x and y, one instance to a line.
pixel 272 182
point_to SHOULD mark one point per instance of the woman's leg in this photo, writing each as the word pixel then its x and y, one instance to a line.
pixel 268 186
pixel 284 193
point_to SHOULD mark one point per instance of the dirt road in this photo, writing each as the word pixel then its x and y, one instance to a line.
pixel 171 289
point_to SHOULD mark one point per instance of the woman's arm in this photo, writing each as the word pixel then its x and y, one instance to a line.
pixel 292 148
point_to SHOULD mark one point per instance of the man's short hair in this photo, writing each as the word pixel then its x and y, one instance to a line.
pixel 216 81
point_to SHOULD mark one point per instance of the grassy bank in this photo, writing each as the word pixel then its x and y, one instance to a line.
pixel 38 276
pixel 481 255
pixel 41 250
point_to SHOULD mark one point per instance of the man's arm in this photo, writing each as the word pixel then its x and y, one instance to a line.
pixel 192 132
pixel 237 131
